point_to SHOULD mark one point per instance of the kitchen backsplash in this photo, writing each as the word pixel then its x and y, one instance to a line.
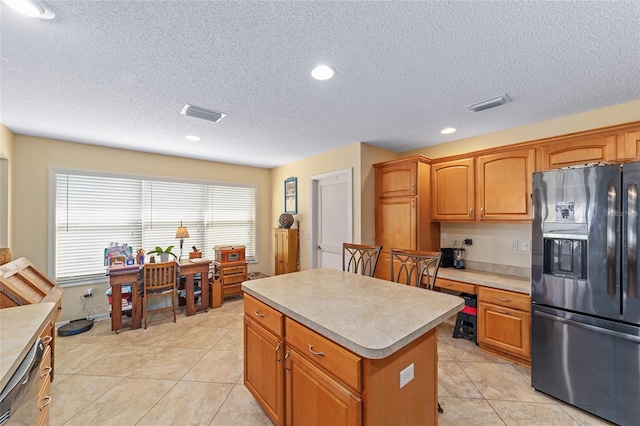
pixel 501 246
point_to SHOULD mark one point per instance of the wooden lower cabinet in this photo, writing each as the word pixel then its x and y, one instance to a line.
pixel 312 380
pixel 263 374
pixel 315 397
pixel 504 324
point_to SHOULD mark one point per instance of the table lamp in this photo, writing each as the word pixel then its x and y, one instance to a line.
pixel 182 233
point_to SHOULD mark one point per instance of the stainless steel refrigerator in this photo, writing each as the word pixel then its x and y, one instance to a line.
pixel 585 324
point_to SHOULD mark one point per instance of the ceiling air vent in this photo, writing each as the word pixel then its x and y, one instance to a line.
pixel 489 103
pixel 204 114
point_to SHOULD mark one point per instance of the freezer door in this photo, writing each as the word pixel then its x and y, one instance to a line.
pixel 590 363
pixel 630 228
pixel 575 240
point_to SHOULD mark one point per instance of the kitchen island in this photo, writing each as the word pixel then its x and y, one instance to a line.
pixel 343 348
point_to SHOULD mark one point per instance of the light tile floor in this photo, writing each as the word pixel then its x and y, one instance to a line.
pixel 190 373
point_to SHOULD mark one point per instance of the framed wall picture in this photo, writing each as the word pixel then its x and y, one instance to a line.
pixel 291 195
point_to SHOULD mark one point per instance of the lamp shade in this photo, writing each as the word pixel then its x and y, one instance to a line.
pixel 182 232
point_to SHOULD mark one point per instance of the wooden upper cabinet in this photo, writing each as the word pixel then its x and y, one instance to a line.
pixel 632 146
pixel 397 179
pixel 403 208
pixel 453 190
pixel 503 185
pixel 577 150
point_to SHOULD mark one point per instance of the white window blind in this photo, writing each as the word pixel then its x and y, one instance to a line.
pixel 91 211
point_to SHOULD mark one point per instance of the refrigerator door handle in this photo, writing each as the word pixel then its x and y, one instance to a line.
pixel 632 238
pixel 590 327
pixel 611 240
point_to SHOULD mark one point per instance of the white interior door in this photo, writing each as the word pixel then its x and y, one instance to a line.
pixel 333 217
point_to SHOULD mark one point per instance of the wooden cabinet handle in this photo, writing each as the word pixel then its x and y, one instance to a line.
pixel 258 314
pixel 47 339
pixel 285 361
pixel 471 213
pixel 48 401
pixel 500 311
pixel 504 300
pixel 314 352
pixel 481 212
pixel 277 349
pixel 46 372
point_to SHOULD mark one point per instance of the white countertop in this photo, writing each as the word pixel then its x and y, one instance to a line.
pixel 487 279
pixel 369 316
pixel 19 328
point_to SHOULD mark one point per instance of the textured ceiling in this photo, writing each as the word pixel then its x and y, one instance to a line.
pixel 117 73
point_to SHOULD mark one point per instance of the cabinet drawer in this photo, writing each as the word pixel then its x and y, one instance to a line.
pixel 343 364
pixel 455 286
pixel 263 314
pixel 505 298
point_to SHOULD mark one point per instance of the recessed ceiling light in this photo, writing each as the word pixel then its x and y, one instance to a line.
pixel 323 72
pixel 192 138
pixel 448 130
pixel 31 8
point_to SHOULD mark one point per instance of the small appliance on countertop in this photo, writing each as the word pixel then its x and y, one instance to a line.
pixel 446 261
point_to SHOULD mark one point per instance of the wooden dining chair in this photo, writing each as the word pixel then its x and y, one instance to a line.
pixel 416 268
pixel 360 259
pixel 160 280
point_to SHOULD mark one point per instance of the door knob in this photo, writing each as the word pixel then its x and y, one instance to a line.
pixel 319 248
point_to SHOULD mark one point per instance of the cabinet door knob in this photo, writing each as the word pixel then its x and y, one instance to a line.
pixel 319 248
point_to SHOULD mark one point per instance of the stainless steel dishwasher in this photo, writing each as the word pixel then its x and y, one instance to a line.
pixel 21 388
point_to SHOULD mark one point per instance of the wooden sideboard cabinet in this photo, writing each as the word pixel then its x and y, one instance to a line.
pixel 403 209
pixel 504 324
pixel 286 250
pixel 231 275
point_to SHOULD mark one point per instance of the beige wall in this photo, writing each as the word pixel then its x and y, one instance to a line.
pixel 33 159
pixel 6 185
pixel 348 157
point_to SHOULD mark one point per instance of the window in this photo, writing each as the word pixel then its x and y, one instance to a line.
pixel 92 210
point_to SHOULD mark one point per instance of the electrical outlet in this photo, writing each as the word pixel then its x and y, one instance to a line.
pixel 513 244
pixel 468 241
pixel 406 375
pixel 89 293
pixel 525 245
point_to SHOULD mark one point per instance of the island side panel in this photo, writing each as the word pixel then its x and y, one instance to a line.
pixel 417 401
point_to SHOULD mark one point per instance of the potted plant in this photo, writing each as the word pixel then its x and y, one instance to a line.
pixel 164 254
